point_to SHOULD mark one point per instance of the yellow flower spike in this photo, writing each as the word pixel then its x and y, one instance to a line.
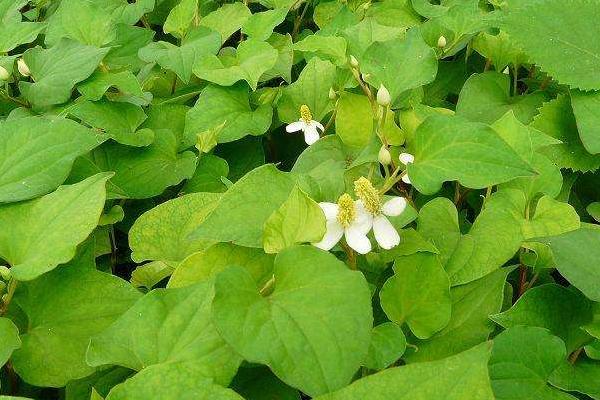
pixel 347 210
pixel 368 194
pixel 305 113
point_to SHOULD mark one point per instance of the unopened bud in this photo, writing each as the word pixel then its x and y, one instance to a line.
pixel 384 156
pixel 4 74
pixel 4 272
pixel 23 68
pixel 332 94
pixel 383 96
pixel 441 42
pixel 353 62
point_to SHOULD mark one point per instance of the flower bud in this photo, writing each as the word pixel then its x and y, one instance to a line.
pixel 383 96
pixel 353 62
pixel 441 43
pixel 4 272
pixel 4 74
pixel 23 68
pixel 384 156
pixel 332 94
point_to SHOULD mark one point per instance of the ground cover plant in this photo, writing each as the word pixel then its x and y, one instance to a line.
pixel 300 199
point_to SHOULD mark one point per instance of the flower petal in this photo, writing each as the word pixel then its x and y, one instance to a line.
pixel 330 210
pixel 319 125
pixel 394 207
pixel 311 135
pixel 385 233
pixel 406 158
pixel 364 219
pixel 406 179
pixel 357 240
pixel 295 126
pixel 333 234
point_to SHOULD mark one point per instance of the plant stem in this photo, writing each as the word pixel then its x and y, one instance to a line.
pixel 351 255
pixel 12 287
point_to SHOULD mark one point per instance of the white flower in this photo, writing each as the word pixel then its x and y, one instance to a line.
pixel 306 125
pixel 406 158
pixel 22 67
pixel 347 218
pixel 385 234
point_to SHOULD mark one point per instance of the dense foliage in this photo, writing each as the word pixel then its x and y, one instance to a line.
pixel 294 199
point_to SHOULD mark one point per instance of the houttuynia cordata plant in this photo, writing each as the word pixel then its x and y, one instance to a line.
pixel 299 199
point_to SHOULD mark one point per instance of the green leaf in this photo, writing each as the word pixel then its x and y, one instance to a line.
pixel 311 88
pixel 560 310
pixel 586 106
pixel 227 109
pixel 415 63
pixel 575 254
pixel 551 31
pixel 240 216
pixel 438 222
pixel 522 360
pixel 556 119
pixel 162 232
pixel 298 220
pixel 469 324
pixel 13 31
pixel 581 377
pixel 199 43
pixel 260 25
pixel 211 173
pixel 594 210
pixel 64 309
pixel 463 376
pixel 167 327
pixel 499 49
pixel 46 231
pixel 418 294
pixel 293 330
pixel 332 48
pixel 227 19
pixel 139 172
pixel 451 148
pixel 251 59
pixel 124 52
pixel 354 119
pixel 31 142
pixel 360 36
pixel 486 97
pixel 55 71
pixel 387 346
pixel 206 264
pixel 119 121
pixel 181 17
pixel 171 382
pixel 84 21
pixel 128 86
pixel 150 274
pixel 9 337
